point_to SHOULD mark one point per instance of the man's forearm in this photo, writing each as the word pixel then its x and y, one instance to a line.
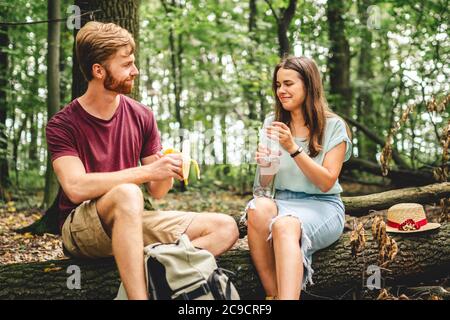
pixel 94 185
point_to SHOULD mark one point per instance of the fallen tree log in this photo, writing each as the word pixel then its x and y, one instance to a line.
pixel 398 177
pixel 360 205
pixel 421 256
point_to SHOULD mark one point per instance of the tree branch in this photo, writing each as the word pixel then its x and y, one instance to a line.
pixel 289 12
pixel 375 138
pixel 273 10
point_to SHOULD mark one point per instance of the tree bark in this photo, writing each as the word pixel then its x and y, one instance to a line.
pixel 53 95
pixel 124 13
pixel 339 60
pixel 420 257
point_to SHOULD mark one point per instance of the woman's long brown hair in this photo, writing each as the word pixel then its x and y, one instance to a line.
pixel 315 108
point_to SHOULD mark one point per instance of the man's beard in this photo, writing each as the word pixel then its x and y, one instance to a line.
pixel 112 84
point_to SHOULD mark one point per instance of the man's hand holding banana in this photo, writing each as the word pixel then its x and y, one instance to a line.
pixel 186 165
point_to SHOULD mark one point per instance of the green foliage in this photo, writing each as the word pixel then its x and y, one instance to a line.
pixel 234 178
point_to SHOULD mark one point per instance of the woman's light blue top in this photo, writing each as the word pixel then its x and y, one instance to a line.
pixel 290 176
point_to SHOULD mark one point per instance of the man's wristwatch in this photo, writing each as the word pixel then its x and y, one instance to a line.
pixel 296 153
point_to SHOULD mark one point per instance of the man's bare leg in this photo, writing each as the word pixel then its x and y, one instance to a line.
pixel 120 211
pixel 214 232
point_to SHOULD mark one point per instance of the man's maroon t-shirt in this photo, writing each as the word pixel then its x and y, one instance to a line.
pixel 102 145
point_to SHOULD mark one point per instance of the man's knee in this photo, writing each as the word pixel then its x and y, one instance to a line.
pixel 228 226
pixel 128 198
pixel 223 227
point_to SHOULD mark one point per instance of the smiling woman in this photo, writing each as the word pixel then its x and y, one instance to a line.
pixel 307 213
pixel 297 82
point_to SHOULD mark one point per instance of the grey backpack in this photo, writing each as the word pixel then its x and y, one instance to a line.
pixel 179 271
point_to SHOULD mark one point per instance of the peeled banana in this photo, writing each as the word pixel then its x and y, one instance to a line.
pixel 187 160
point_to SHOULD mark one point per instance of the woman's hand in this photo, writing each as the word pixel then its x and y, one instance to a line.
pixel 264 157
pixel 281 132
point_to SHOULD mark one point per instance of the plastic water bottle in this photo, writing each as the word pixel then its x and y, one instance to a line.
pixel 260 187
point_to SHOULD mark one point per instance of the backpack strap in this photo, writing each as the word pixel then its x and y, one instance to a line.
pixel 194 294
pixel 228 290
pixel 214 284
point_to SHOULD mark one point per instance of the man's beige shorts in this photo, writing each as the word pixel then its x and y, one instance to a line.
pixel 83 234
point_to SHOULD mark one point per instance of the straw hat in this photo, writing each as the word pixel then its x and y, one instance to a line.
pixel 408 218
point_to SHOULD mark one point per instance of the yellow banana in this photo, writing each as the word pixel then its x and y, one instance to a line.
pixel 186 164
pixel 169 151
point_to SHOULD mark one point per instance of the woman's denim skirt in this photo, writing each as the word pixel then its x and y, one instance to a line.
pixel 322 218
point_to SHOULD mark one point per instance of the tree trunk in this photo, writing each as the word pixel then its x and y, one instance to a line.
pixel 176 52
pixel 176 75
pixel 364 102
pixel 122 12
pixel 262 102
pixel 33 158
pixel 284 19
pixel 33 148
pixel 16 143
pixel 4 168
pixel 420 257
pixel 53 95
pixel 248 86
pixel 223 129
pixel 339 60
